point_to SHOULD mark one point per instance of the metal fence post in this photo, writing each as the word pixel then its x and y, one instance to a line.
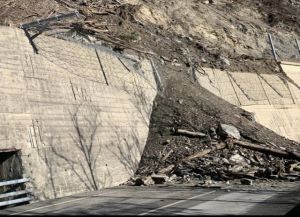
pixel 298 45
pixel 272 46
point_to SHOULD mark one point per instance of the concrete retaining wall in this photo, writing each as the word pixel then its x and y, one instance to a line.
pixel 274 99
pixel 77 130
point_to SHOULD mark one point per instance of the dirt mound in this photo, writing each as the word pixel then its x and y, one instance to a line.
pixel 195 109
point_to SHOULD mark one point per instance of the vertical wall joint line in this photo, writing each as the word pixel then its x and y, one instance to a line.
pixel 102 69
pixel 263 88
pixel 229 77
pixel 123 64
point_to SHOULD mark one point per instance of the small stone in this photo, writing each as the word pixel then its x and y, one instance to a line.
pixel 180 171
pixel 207 182
pixel 260 172
pixel 190 38
pixel 225 161
pixel 228 131
pixel 83 2
pixel 166 142
pixel 206 2
pixel 159 179
pixel 274 176
pixel 245 181
pixel 180 101
pixel 186 178
pixel 237 159
pixel 236 168
pixel 203 60
pixel 172 178
pixel 138 181
pixel 148 180
pixel 144 181
pixel 225 61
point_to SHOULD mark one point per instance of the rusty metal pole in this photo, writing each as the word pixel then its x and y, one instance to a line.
pixel 40 23
pixel 298 45
pixel 272 46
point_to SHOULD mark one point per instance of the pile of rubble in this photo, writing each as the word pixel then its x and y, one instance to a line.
pixel 222 156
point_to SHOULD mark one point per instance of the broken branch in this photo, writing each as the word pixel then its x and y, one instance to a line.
pixel 190 134
pixel 205 152
pixel 266 150
pixel 194 156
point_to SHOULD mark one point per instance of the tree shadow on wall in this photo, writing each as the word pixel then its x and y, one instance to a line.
pixel 85 146
pixel 127 149
pixel 139 99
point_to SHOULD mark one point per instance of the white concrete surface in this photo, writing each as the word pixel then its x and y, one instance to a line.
pixel 76 132
pixel 272 98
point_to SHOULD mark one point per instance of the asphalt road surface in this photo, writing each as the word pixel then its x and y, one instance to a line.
pixel 166 200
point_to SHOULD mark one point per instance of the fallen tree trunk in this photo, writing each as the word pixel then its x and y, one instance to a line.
pixel 194 156
pixel 190 133
pixel 266 150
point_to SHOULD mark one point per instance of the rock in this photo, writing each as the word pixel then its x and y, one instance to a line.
pixel 166 142
pixel 144 181
pixel 180 171
pixel 186 178
pixel 208 182
pixel 159 179
pixel 180 101
pixel 172 178
pixel 236 168
pixel 209 2
pixel 274 176
pixel 225 161
pixel 139 181
pixel 230 131
pixel 91 38
pixel 225 61
pixel 203 60
pixel 190 38
pixel 245 181
pixel 237 159
pixel 213 133
pixel 130 182
pixel 249 115
pixel 260 172
pixel 83 2
pixel 268 172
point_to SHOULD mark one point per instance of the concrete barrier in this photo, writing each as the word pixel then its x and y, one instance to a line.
pixel 274 99
pixel 79 114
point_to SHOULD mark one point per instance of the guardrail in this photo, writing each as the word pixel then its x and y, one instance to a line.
pixel 26 193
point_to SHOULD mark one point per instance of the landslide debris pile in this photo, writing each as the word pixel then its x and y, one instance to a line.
pixel 187 139
pixel 199 137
